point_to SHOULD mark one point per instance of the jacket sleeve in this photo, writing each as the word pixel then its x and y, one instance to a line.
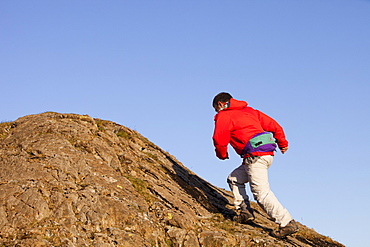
pixel 270 125
pixel 221 135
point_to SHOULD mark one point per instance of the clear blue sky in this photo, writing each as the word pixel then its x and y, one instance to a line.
pixel 155 66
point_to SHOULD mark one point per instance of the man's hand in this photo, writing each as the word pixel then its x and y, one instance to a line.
pixel 283 150
pixel 224 158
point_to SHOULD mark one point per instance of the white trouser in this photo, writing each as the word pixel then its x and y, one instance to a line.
pixel 254 171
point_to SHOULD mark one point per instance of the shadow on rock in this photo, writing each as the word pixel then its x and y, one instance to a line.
pixel 212 198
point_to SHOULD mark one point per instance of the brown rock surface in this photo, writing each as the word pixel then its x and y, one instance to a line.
pixel 71 180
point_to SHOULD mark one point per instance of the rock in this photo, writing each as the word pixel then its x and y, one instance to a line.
pixel 71 180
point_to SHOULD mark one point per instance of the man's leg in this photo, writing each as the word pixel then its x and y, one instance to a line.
pixel 237 180
pixel 257 170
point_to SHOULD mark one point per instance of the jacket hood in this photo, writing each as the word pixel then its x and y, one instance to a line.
pixel 236 104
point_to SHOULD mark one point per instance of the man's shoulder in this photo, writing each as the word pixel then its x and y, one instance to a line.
pixel 236 112
pixel 246 110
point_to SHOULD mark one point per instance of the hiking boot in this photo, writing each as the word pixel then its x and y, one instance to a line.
pixel 282 232
pixel 244 216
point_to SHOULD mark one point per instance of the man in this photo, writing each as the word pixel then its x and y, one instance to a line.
pixel 254 136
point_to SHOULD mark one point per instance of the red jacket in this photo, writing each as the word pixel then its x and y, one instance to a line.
pixel 238 123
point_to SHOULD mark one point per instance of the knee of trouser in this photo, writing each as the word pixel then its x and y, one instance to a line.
pixel 234 183
pixel 232 180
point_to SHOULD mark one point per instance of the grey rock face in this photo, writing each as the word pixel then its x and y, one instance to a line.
pixel 71 180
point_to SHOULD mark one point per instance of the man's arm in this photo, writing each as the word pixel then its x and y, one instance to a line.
pixel 221 136
pixel 269 124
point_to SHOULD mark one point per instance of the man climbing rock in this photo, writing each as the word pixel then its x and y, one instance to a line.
pixel 254 136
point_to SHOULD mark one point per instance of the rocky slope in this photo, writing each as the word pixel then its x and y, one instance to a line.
pixel 71 180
